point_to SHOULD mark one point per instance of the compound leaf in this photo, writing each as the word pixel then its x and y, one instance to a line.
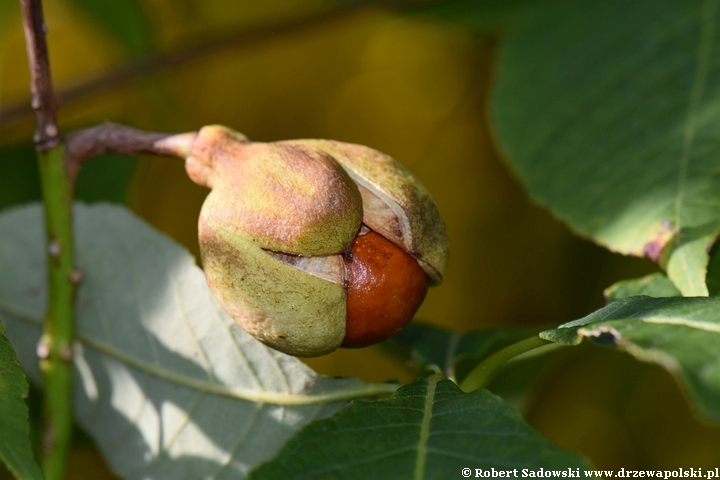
pixel 428 429
pixel 166 383
pixel 608 111
pixel 681 334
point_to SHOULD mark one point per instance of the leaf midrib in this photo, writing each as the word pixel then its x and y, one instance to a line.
pixel 707 34
pixel 364 390
pixel 425 426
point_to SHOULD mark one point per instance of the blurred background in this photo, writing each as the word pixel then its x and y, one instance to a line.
pixel 411 79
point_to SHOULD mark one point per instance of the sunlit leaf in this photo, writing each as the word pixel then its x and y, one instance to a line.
pixel 15 449
pixel 428 429
pixel 653 285
pixel 681 334
pixel 166 383
pixel 608 111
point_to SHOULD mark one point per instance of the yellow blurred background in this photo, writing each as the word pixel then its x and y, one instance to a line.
pixel 417 88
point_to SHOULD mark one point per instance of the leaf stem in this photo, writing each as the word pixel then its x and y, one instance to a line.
pixel 481 375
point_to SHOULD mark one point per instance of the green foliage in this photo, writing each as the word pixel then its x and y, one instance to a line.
pixel 452 353
pixel 159 365
pixel 428 429
pixel 609 111
pixel 681 334
pixel 653 285
pixel 15 448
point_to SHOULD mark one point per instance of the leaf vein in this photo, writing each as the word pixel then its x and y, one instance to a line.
pixel 707 34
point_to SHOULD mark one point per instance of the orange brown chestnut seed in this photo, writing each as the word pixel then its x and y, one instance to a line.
pixel 385 288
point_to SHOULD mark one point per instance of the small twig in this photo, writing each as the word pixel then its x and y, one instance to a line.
pixel 55 346
pixel 108 137
pixel 43 99
pixel 153 63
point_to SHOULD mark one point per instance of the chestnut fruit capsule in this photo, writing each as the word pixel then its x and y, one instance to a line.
pixel 314 244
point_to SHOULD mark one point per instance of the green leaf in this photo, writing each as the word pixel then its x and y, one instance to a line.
pixel 608 111
pixel 654 285
pixel 453 353
pixel 688 259
pixel 15 448
pixel 428 429
pixel 166 383
pixel 124 19
pixel 482 17
pixel 681 334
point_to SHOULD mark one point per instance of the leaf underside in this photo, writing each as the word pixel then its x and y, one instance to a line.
pixel 681 334
pixel 166 383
